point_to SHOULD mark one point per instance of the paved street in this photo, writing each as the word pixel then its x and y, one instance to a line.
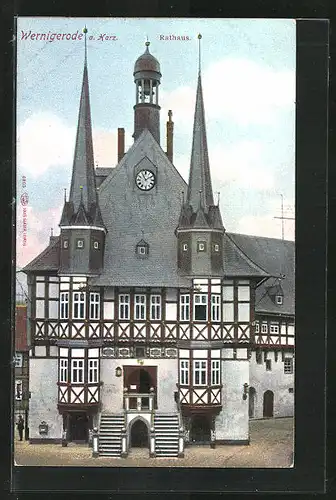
pixel 271 446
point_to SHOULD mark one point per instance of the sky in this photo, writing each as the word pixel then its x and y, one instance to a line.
pixel 248 77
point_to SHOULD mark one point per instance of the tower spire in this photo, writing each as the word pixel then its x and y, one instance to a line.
pixel 199 176
pixel 83 165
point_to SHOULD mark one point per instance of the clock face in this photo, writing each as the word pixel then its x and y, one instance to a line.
pixel 145 180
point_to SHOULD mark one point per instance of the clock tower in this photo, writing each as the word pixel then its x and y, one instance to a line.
pixel 147 77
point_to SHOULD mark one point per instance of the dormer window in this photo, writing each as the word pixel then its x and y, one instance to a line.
pixel 79 243
pixel 142 249
pixel 185 247
pixel 65 243
pixel 201 246
pixel 96 245
pixel 279 299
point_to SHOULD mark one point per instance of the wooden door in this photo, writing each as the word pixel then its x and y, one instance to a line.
pixel 268 408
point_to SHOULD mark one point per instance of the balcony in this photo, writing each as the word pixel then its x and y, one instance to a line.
pixel 137 402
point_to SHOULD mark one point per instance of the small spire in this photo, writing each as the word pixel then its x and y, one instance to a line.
pixel 81 195
pixel 51 232
pixel 200 198
pixel 85 45
pixel 182 197
pixel 170 114
pixel 64 195
pixel 199 36
pixel 218 197
pixel 142 233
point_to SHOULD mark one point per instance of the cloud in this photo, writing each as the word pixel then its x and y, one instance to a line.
pixel 265 225
pixel 44 140
pixel 247 92
pixel 238 89
pixel 38 226
pixel 240 162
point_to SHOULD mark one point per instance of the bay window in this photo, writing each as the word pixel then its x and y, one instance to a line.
pixel 78 306
pixel 200 372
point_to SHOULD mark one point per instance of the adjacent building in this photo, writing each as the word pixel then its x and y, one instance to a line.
pixel 148 320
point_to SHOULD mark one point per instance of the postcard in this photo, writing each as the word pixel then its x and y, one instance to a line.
pixel 155 298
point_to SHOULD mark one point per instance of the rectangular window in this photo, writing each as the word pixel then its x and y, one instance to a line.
pixel 18 390
pixel 94 305
pixel 259 357
pixel 268 365
pixel 256 327
pixel 77 371
pixel 139 306
pixel 200 307
pixel 288 365
pixel 124 307
pixel 64 305
pixel 184 372
pixel 155 310
pixel 215 372
pixel 274 328
pixel 264 328
pixel 215 307
pixel 63 374
pixel 80 244
pixel 93 371
pixel 78 306
pixel 18 360
pixel 185 308
pixel 200 372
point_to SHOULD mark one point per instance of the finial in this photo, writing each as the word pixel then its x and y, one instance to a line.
pixel 85 50
pixel 182 197
pixel 218 197
pixel 170 114
pixel 64 195
pixel 142 233
pixel 81 194
pixel 199 36
pixel 147 43
pixel 200 198
pixel 51 232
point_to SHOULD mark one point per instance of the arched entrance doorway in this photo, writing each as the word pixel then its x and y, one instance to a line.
pixel 200 430
pixel 252 397
pixel 139 435
pixel 268 407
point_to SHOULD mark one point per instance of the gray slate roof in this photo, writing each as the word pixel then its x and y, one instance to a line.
pixel 48 259
pixel 278 258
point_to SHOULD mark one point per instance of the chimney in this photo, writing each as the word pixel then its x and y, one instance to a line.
pixel 121 143
pixel 170 135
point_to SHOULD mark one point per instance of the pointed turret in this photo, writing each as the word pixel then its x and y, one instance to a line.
pixel 82 227
pixel 83 165
pixel 199 176
pixel 200 229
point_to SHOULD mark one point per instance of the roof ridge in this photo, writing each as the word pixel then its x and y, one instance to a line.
pixel 261 237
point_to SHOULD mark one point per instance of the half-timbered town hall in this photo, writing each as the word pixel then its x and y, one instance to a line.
pixel 149 322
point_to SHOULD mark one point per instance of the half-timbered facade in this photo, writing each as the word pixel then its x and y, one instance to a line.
pixel 144 311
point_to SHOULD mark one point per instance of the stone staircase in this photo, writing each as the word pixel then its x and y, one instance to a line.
pixel 110 435
pixel 166 434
